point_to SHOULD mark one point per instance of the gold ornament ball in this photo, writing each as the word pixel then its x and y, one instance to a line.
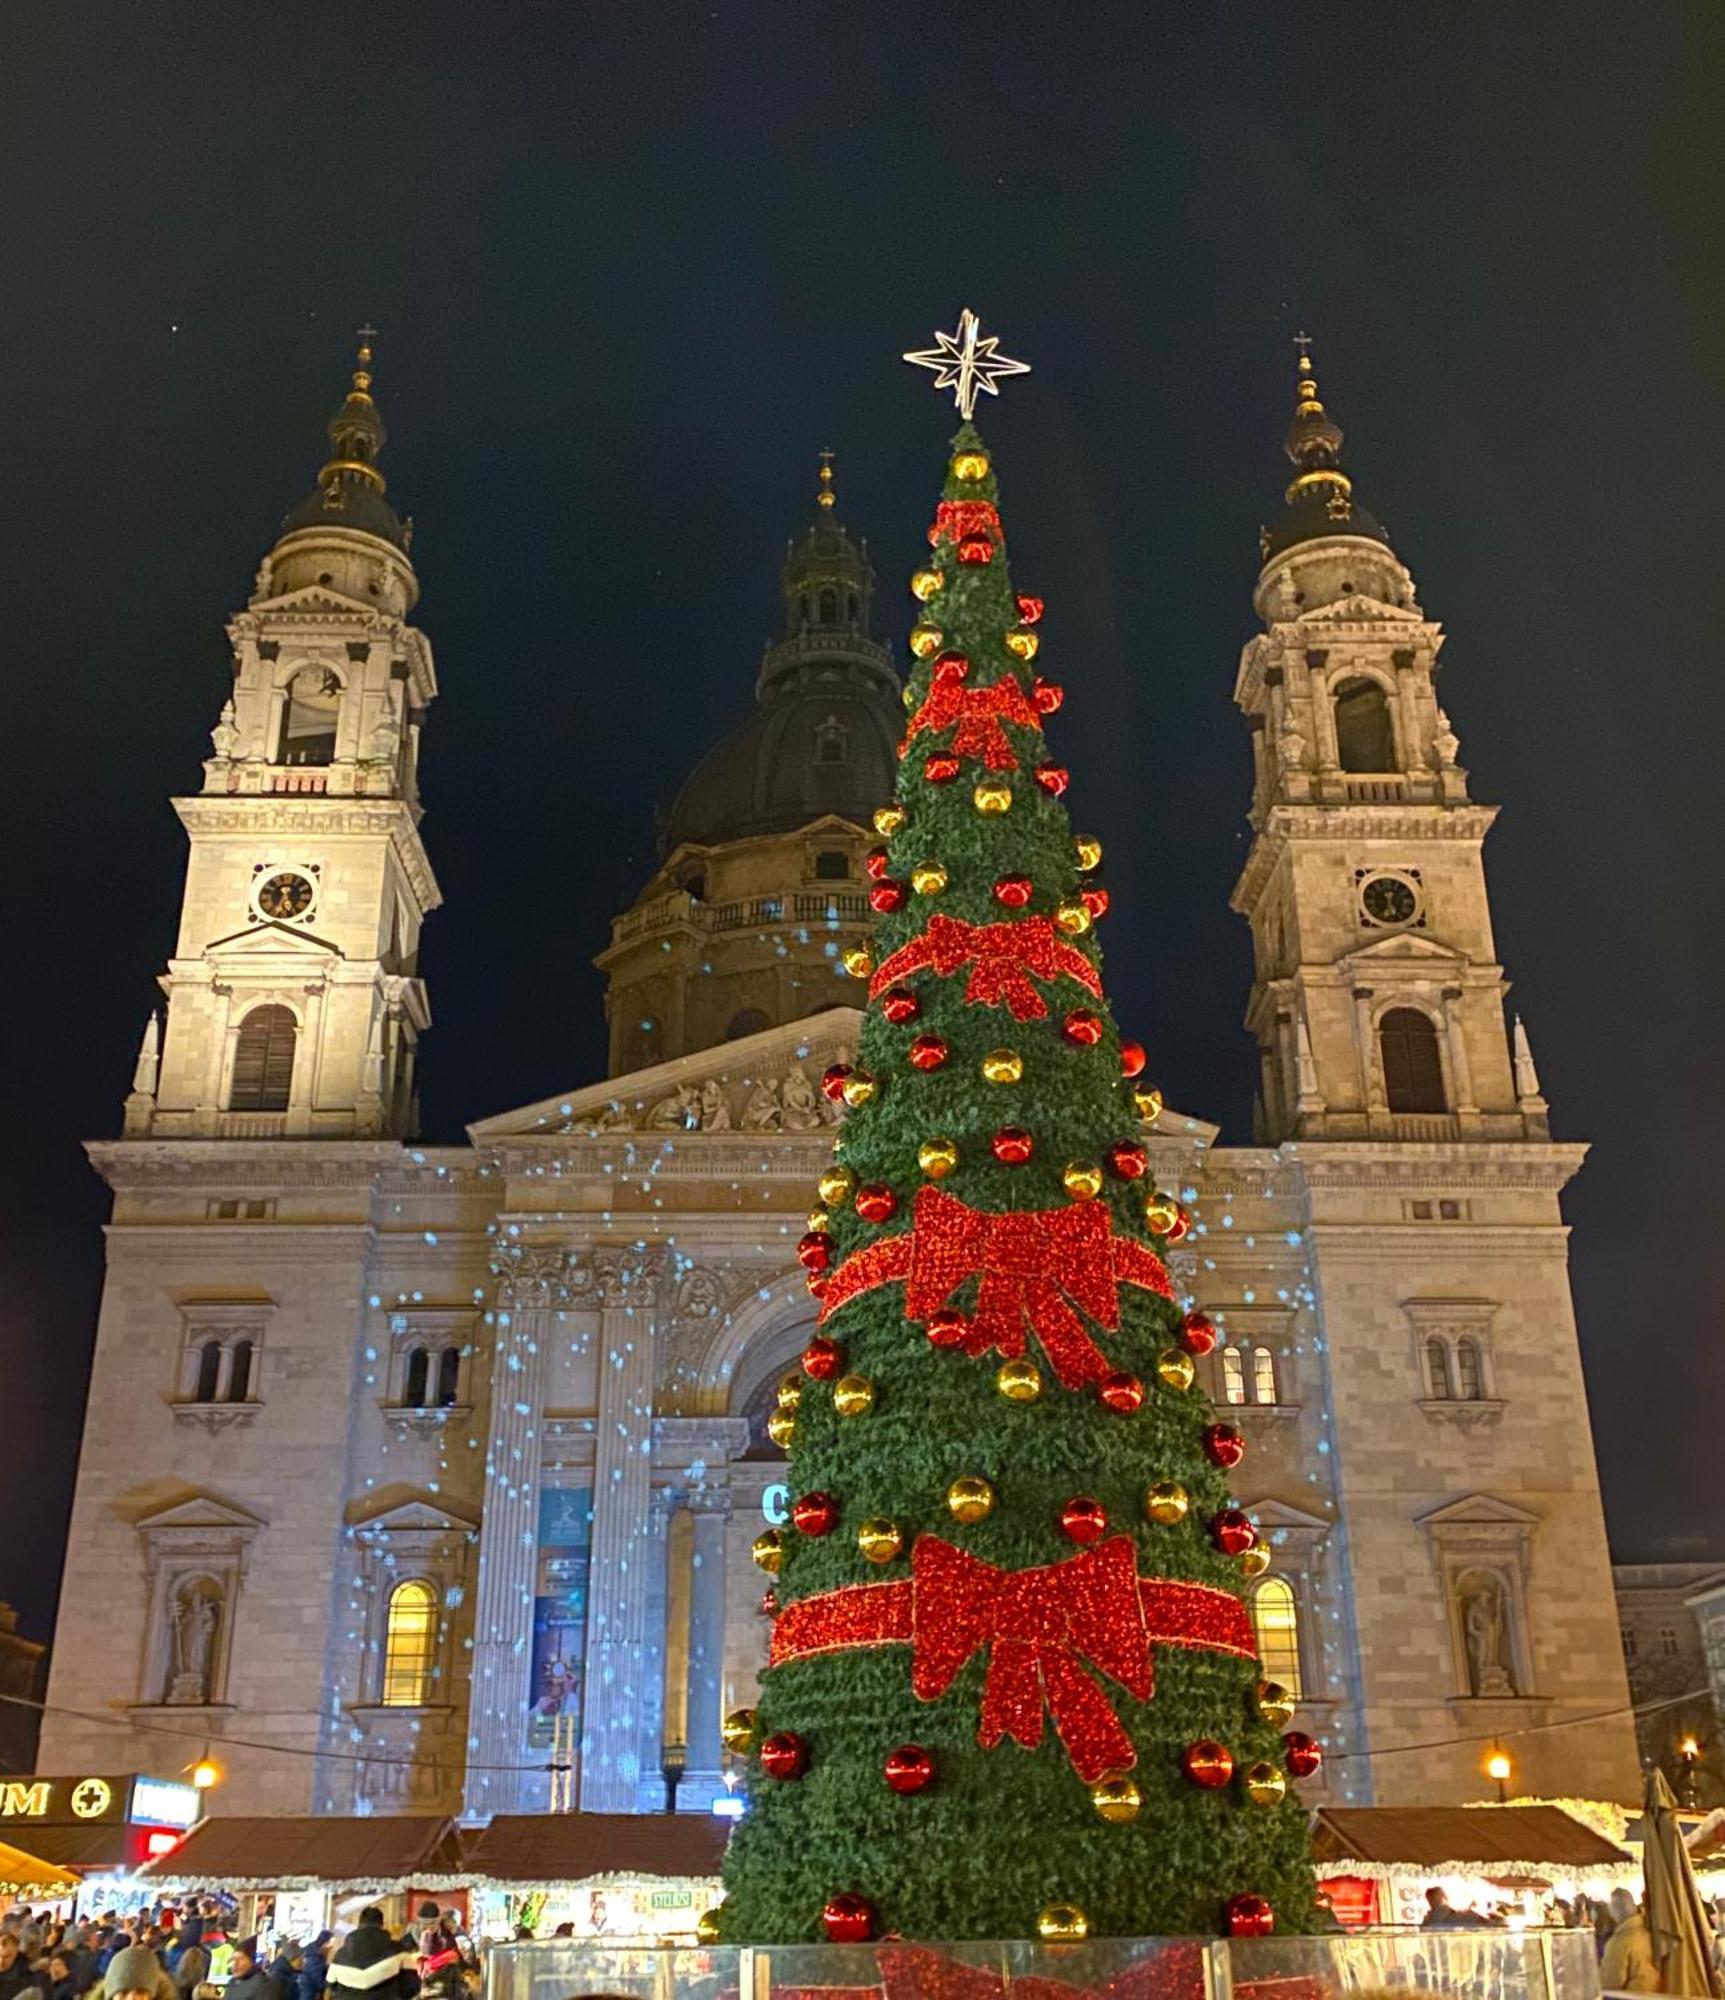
pixel 790 1392
pixel 1174 1367
pixel 858 961
pixel 836 1186
pixel 1255 1560
pixel 1275 1704
pixel 937 1158
pixel 782 1428
pixel 853 1395
pixel 928 878
pixel 1117 1800
pixel 1148 1104
pixel 1081 1179
pixel 1063 1923
pixel 707 1927
pixel 991 796
pixel 820 1223
pixel 1167 1503
pixel 1161 1212
pixel 926 583
pixel 970 1499
pixel 737 1731
pixel 880 1539
pixel 909 696
pixel 1089 852
pixel 970 465
pixel 1265 1785
pixel 859 1088
pixel 888 820
pixel 1019 1381
pixel 1072 918
pixel 925 640
pixel 1002 1066
pixel 1023 645
pixel 769 1551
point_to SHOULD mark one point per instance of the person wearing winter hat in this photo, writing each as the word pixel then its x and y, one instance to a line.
pixel 136 1974
pixel 250 1981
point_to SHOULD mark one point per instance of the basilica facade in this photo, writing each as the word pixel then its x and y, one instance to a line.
pixel 425 1478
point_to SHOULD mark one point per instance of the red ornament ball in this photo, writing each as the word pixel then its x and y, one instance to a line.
pixel 769 1604
pixel 823 1359
pixel 946 1328
pixel 848 1919
pixel 950 668
pixel 975 551
pixel 1224 1446
pixel 886 896
pixel 875 864
pixel 814 1513
pixel 1127 1160
pixel 1083 1027
pixel 1053 778
pixel 1122 1392
pixel 816 1284
pixel 1048 695
pixel 1030 609
pixel 876 1202
pixel 899 1004
pixel 1208 1763
pixel 1012 892
pixel 909 1769
pixel 1232 1531
pixel 1095 900
pixel 785 1755
pixel 1012 1145
pixel 1249 1916
pixel 941 768
pixel 927 1052
pixel 1197 1333
pixel 1180 1228
pixel 814 1252
pixel 1304 1753
pixel 1083 1520
pixel 1132 1059
pixel 833 1081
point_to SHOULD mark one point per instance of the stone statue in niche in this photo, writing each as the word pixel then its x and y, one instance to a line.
pixel 1485 1634
pixel 196 1613
pixel 803 1107
pixel 763 1112
pixel 715 1108
pixel 680 1112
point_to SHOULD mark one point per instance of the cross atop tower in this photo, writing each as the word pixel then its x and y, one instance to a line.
pixel 1303 341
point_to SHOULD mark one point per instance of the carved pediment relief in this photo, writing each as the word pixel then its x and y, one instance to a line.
pixel 1358 608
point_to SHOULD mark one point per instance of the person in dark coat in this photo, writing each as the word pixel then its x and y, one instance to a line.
pixel 16 1975
pixel 372 1965
pixel 285 1967
pixel 249 1981
pixel 314 1973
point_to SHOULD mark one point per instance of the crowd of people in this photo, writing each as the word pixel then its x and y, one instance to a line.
pixel 192 1954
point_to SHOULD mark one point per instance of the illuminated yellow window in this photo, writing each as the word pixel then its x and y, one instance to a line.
pixel 1263 1375
pixel 1276 1622
pixel 1233 1376
pixel 410 1645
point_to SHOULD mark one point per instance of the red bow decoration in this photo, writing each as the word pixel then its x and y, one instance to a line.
pixel 1006 958
pixel 978 712
pixel 1030 1262
pixel 1037 1624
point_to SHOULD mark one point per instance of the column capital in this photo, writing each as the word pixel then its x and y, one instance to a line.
pixel 620 1275
pixel 710 1500
pixel 530 1274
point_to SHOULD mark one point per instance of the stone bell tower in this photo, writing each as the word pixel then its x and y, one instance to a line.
pixel 294 1002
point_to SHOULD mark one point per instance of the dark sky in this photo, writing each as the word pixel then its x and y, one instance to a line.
pixel 633 266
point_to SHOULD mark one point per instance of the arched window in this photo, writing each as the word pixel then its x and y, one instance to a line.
pixel 448 1377
pixel 1469 1382
pixel 409 1645
pixel 309 711
pixel 1413 1070
pixel 832 864
pixel 1365 740
pixel 829 607
pixel 263 1060
pixel 1276 1625
pixel 1263 1375
pixel 418 1371
pixel 694 884
pixel 1437 1370
pixel 240 1372
pixel 750 1021
pixel 851 607
pixel 209 1372
pixel 1233 1375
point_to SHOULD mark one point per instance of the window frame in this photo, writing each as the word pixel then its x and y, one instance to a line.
pixel 425 1665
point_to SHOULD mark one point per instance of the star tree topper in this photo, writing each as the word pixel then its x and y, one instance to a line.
pixel 965 362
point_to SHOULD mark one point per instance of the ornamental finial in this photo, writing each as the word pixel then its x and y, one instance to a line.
pixel 965 361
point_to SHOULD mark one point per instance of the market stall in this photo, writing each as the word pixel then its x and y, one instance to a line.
pixel 27 1878
pixel 1375 1863
pixel 611 1875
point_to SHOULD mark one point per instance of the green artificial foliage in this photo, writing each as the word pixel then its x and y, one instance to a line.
pixel 1003 1833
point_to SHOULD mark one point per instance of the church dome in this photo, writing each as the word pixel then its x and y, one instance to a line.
pixel 349 491
pixel 1319 502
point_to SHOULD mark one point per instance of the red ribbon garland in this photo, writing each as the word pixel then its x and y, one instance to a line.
pixel 1030 1262
pixel 1038 1626
pixel 978 712
pixel 954 519
pixel 1005 957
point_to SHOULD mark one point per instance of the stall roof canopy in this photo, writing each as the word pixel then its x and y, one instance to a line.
pixel 98 1846
pixel 20 1871
pixel 1484 1836
pixel 300 1848
pixel 568 1847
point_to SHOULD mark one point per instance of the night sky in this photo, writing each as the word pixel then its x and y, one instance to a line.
pixel 633 267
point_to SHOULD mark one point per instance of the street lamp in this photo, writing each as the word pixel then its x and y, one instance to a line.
pixel 1688 1756
pixel 205 1772
pixel 1499 1769
pixel 673 1762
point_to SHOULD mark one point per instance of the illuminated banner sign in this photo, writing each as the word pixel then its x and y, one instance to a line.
pixel 158 1802
pixel 65 1801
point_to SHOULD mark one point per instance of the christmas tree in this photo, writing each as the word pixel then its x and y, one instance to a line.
pixel 1012 1688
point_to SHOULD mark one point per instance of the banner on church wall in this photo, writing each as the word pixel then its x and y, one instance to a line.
pixel 562 1564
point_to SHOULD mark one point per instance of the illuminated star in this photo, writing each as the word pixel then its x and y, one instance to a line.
pixel 964 363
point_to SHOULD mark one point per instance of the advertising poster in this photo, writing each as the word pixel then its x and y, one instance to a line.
pixel 564 1557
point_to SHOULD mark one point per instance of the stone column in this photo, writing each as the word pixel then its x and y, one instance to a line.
pixel 529 1282
pixel 711 1513
pixel 1371 1071
pixel 619 1662
pixel 1461 1070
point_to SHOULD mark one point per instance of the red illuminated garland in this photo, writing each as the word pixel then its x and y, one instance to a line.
pixel 978 712
pixel 1005 957
pixel 1030 1262
pixel 1173 1972
pixel 1037 1626
pixel 954 519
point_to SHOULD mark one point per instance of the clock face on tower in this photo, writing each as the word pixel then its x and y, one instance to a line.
pixel 1389 899
pixel 285 895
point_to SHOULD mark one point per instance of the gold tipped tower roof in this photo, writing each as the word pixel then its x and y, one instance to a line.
pixel 1319 499
pixel 350 488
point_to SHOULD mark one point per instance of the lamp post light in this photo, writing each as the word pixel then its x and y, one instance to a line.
pixel 673 1762
pixel 1688 1758
pixel 1500 1770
